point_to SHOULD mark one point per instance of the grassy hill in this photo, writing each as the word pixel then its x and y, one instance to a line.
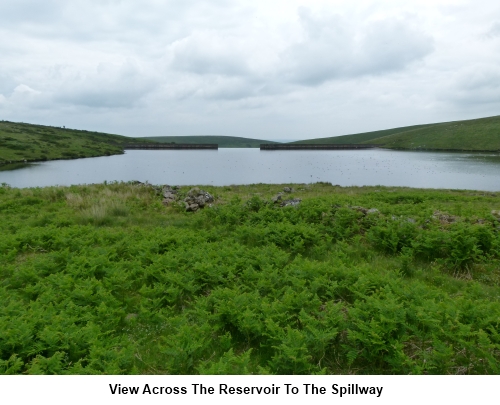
pixel 358 138
pixel 481 134
pixel 19 142
pixel 478 134
pixel 222 141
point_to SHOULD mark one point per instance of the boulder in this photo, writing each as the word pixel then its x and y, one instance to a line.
pixel 288 190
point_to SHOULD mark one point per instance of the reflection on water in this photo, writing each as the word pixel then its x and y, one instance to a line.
pixel 14 166
pixel 246 166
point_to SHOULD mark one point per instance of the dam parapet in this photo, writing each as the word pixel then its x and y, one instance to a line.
pixel 172 146
pixel 312 146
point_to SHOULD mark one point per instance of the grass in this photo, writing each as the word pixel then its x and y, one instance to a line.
pixel 21 142
pixel 104 279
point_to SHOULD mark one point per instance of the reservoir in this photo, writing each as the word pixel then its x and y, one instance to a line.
pixel 371 167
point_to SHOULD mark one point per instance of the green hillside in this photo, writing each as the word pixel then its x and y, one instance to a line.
pixel 481 134
pixel 222 141
pixel 19 142
pixel 358 138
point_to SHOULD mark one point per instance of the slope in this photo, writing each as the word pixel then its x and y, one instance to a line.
pixel 358 138
pixel 481 134
pixel 20 141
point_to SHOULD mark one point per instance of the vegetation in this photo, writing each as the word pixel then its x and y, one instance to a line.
pixel 20 142
pixel 222 141
pixel 366 137
pixel 472 135
pixel 103 279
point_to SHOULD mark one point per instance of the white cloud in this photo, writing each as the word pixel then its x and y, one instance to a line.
pixel 282 68
pixel 107 86
pixel 335 47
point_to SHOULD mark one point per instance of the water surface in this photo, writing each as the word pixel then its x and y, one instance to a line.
pixel 245 166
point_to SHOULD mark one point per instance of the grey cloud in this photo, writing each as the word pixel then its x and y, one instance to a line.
pixel 208 53
pixel 476 85
pixel 7 84
pixel 19 12
pixel 128 22
pixel 230 89
pixel 108 86
pixel 494 31
pixel 336 48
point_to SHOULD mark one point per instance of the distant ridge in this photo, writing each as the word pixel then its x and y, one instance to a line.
pixel 221 140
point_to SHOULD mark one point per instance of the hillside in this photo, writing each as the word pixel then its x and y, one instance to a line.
pixel 19 142
pixel 481 134
pixel 222 141
pixel 357 138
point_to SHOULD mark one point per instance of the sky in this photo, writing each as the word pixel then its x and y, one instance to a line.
pixel 272 69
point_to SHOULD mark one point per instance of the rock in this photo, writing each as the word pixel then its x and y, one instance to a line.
pixel 444 218
pixel 191 207
pixel 169 195
pixel 197 198
pixel 276 198
pixel 359 209
pixel 411 220
pixel 291 203
pixel 496 213
pixel 288 190
pixel 373 211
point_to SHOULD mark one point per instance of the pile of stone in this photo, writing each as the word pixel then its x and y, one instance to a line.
pixel 365 211
pixel 277 199
pixel 291 203
pixel 444 218
pixel 169 195
pixel 197 199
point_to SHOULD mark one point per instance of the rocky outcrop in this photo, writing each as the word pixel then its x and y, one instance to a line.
pixel 444 218
pixel 169 195
pixel 276 198
pixel 365 211
pixel 290 203
pixel 197 199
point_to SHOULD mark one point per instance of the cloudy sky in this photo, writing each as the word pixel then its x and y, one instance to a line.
pixel 272 69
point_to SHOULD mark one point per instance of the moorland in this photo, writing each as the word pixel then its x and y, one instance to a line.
pixel 105 279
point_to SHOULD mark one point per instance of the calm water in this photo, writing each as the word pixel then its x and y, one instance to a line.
pixel 246 166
